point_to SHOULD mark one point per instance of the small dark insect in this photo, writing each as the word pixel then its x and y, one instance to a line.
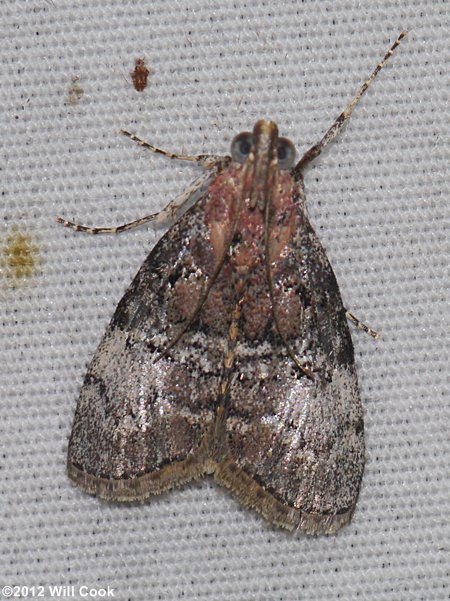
pixel 230 353
pixel 140 75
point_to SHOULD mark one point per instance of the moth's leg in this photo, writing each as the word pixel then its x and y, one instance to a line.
pixel 207 161
pixel 337 126
pixel 360 325
pixel 174 207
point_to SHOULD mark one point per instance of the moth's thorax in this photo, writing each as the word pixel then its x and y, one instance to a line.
pixel 243 238
pixel 233 220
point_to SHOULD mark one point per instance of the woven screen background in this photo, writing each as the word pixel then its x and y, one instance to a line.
pixel 379 200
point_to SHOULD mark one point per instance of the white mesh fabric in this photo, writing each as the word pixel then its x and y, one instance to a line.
pixel 379 201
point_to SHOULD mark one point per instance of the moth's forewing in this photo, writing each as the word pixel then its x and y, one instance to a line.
pixel 296 444
pixel 142 426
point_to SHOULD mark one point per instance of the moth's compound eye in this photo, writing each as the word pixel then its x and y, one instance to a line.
pixel 241 146
pixel 286 153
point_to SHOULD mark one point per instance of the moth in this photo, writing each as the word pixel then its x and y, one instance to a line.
pixel 230 353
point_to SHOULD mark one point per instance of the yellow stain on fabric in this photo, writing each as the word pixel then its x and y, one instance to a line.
pixel 19 257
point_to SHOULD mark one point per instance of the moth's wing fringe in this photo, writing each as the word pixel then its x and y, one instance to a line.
pixel 143 487
pixel 227 473
pixel 254 496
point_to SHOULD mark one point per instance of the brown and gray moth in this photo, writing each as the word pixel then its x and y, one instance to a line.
pixel 230 353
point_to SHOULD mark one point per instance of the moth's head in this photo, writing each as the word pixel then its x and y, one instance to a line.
pixel 264 140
